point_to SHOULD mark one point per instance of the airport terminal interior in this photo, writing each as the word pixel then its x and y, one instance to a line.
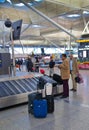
pixel 34 32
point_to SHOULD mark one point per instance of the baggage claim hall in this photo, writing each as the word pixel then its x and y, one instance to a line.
pixel 44 64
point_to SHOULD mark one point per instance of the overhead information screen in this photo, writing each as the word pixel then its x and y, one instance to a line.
pixel 84 38
pixel 84 54
pixel 83 48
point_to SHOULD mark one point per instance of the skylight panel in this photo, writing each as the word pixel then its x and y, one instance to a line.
pixel 9 1
pixel 20 4
pixel 38 0
pixel 73 15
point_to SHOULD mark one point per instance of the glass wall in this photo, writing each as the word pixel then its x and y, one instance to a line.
pixel 36 50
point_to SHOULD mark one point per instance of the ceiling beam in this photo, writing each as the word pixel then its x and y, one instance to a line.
pixel 48 19
pixel 72 4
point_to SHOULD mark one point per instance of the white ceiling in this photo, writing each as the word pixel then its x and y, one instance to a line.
pixel 35 26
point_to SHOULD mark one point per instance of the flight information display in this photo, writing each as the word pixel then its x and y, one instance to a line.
pixel 84 54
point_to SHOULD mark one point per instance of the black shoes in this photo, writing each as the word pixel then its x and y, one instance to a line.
pixel 64 97
pixel 74 90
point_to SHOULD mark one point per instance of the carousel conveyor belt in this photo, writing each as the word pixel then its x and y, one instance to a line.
pixel 14 92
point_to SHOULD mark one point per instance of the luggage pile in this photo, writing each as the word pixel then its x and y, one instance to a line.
pixel 39 104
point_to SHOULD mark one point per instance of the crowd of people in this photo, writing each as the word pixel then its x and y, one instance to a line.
pixel 68 67
pixel 18 63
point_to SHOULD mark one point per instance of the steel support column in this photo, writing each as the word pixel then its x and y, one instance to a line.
pixel 13 56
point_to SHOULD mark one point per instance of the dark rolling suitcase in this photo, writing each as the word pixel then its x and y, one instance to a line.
pixel 50 103
pixel 58 78
pixel 31 98
pixel 47 79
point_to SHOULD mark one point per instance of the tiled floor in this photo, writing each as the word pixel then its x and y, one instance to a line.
pixel 70 114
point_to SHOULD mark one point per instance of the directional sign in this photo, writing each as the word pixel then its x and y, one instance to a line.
pixel 83 40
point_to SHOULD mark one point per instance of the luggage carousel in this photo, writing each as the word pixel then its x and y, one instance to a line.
pixel 15 91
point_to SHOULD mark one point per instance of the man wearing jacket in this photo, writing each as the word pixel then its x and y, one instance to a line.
pixel 65 75
pixel 51 67
pixel 74 70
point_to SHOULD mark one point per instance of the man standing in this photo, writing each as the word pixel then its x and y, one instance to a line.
pixel 29 64
pixel 51 67
pixel 74 70
pixel 65 74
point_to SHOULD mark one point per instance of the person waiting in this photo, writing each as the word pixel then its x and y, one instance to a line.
pixel 74 70
pixel 37 65
pixel 51 67
pixel 65 75
pixel 29 64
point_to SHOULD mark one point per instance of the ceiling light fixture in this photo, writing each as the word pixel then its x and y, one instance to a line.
pixel 73 15
pixel 20 4
pixel 38 0
pixel 37 26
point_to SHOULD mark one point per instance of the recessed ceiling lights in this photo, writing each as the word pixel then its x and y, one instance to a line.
pixel 31 3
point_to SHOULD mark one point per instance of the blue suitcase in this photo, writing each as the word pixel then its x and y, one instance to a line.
pixel 40 108
pixel 31 98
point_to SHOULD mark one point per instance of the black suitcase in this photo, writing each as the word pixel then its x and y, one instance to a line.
pixel 50 103
pixel 58 78
pixel 45 79
pixel 31 98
